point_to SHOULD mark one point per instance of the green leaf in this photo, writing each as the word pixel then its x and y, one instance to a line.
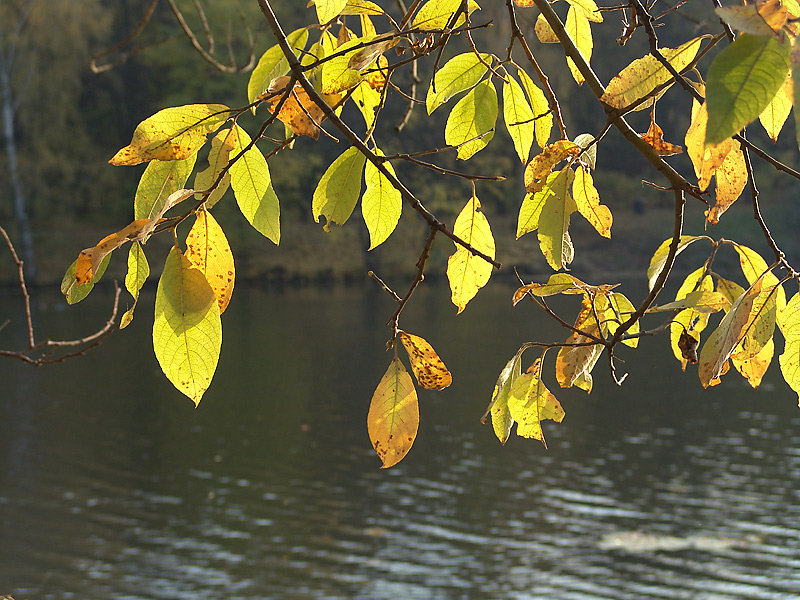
pixel 554 239
pixel 458 74
pixel 393 418
pixel 790 359
pixel 187 331
pixel 159 180
pixel 470 125
pixel 338 190
pixel 645 74
pixel 328 9
pixel 518 118
pixel 252 186
pixel 172 134
pixel 531 210
pixel 74 292
pixel 742 80
pixel 466 272
pixel 381 205
pixel 273 64
pixel 659 259
pixel 541 109
pixel 138 272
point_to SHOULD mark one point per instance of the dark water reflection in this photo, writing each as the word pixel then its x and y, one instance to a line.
pixel 111 486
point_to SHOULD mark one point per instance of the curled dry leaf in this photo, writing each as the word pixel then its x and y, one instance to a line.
pixel 655 138
pixel 428 368
pixel 543 163
pixel 299 112
pixel 688 347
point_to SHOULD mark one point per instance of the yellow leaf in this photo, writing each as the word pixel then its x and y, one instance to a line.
pixel 159 180
pixel 187 332
pixel 559 283
pixel 753 267
pixel 790 359
pixel 328 9
pixel 731 180
pixel 298 111
pixel 705 160
pixel 208 251
pixel 691 320
pixel 337 192
pixel 172 134
pixel 393 418
pixel 367 100
pixel 588 202
pixel 577 26
pixel 573 362
pixel 381 204
pixel 589 9
pixel 774 116
pixel 543 122
pixel 544 32
pixel 218 158
pixel 518 117
pixel 645 74
pixel 542 164
pixel 428 368
pixel 554 239
pixel 530 403
pixel 659 259
pixel 613 309
pixel 90 259
pixel 436 14
pixel 754 367
pixel 471 123
pixel 468 273
pixel 501 416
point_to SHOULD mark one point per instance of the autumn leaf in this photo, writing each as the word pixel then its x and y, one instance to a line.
pixel 218 159
pixel 543 117
pixel 436 14
pixel 577 26
pixel 705 159
pixel 543 31
pixel 75 292
pixel 328 9
pixel 159 180
pixel 659 258
pixel 790 359
pixel 542 164
pixel 273 64
pixel 774 116
pixel 753 368
pixel 689 323
pixel 428 368
pixel 655 139
pixel 208 251
pixel 587 200
pixel 172 134
pixel 298 111
pixel 554 239
pixel 731 178
pixel 766 17
pixel 530 403
pixel 559 283
pixel 187 332
pixel 518 117
pixel 466 272
pixel 642 76
pixel 393 418
pixel 575 360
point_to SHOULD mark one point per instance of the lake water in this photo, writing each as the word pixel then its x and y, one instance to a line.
pixel 112 486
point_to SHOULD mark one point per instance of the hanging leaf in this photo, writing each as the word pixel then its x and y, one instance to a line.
pixel 187 332
pixel 655 139
pixel 642 76
pixel 458 74
pixel 544 32
pixel 470 125
pixel 328 9
pixel 753 368
pixel 659 259
pixel 436 14
pixel 706 159
pixel 160 180
pixel 530 403
pixel 587 200
pixel 542 164
pixel 381 204
pixel 690 322
pixel 543 123
pixel 428 368
pixel 755 267
pixel 577 26
pixel 574 361
pixel 498 407
pixel 554 239
pixel 367 55
pixel 172 133
pixel 138 272
pixel 774 116
pixel 731 178
pixel 766 17
pixel 790 359
pixel 518 118
pixel 338 190
pixel 613 309
pixel 588 8
pixel 273 64
pixel 742 80
pixel 393 418
pixel 299 111
pixel 252 186
pixel 337 74
pixel 218 158
pixel 208 251
pixel 75 292
pixel 361 7
pixel 466 272
pixel 367 100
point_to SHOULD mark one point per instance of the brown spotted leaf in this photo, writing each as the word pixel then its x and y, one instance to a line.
pixel 655 139
pixel 393 418
pixel 208 251
pixel 428 368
